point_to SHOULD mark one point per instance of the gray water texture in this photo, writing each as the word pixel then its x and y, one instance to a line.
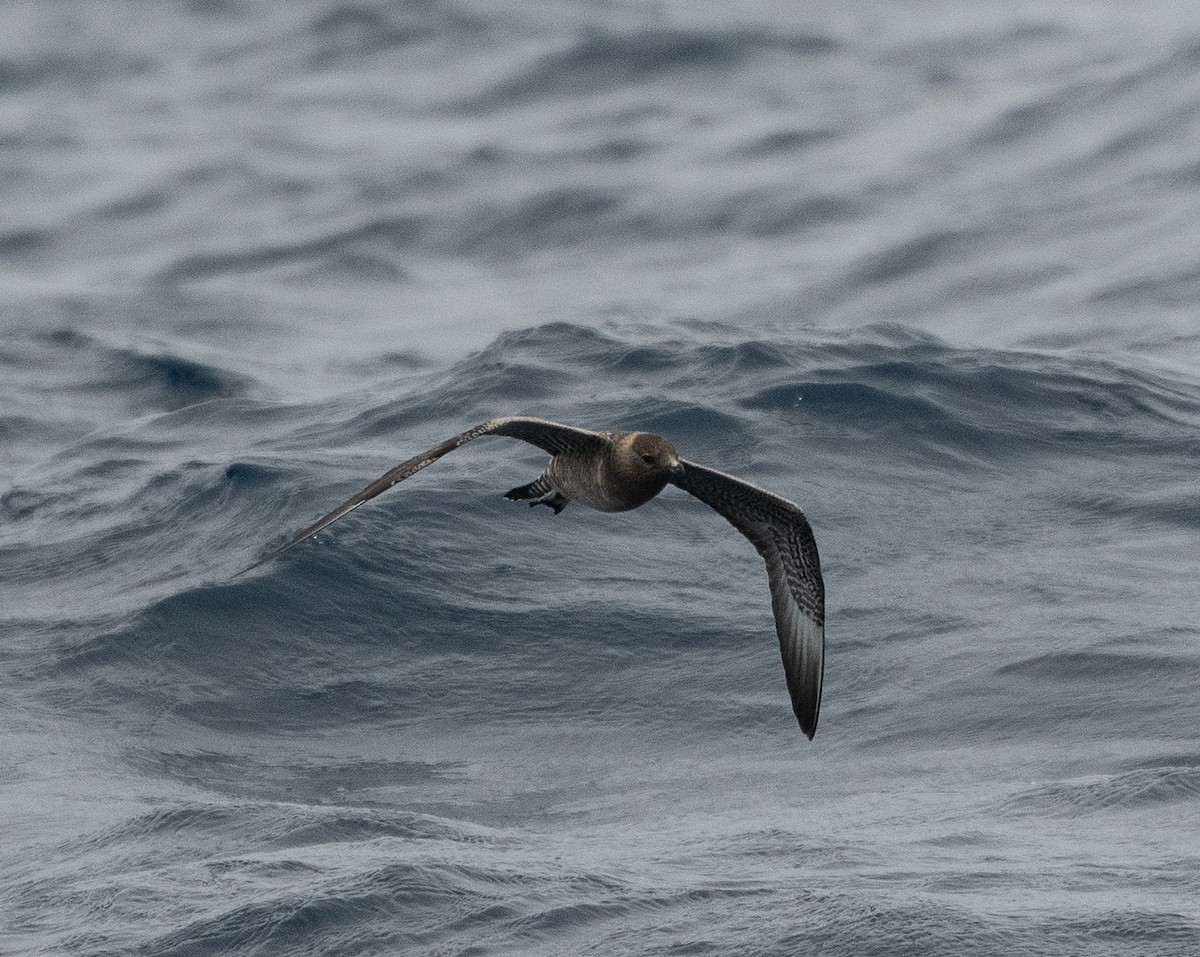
pixel 928 269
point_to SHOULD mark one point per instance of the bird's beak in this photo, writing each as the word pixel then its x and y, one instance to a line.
pixel 675 469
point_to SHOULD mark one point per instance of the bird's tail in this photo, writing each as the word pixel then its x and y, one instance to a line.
pixel 534 489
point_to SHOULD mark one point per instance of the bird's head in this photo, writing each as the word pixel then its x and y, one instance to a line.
pixel 653 456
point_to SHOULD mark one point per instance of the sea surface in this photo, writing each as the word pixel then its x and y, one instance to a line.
pixel 929 269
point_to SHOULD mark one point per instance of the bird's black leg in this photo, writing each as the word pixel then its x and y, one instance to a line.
pixel 554 500
pixel 542 493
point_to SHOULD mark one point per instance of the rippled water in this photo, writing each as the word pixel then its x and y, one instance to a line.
pixel 929 271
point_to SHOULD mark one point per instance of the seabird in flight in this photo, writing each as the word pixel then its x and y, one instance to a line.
pixel 618 471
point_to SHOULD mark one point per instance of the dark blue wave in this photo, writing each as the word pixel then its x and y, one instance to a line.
pixel 604 61
pixel 934 285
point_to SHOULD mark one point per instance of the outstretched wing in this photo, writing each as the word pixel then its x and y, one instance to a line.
pixel 783 537
pixel 550 436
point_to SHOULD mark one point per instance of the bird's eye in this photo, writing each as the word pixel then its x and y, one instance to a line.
pixel 648 459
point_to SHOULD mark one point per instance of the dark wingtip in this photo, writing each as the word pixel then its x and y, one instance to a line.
pixel 250 568
pixel 806 717
pixel 268 556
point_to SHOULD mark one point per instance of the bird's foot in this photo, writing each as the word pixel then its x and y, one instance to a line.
pixel 554 500
pixel 542 494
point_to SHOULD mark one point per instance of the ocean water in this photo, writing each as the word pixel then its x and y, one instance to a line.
pixel 928 269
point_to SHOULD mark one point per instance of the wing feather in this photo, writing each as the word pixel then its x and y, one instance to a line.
pixel 780 532
pixel 549 436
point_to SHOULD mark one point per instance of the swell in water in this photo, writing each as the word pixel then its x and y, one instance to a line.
pixel 931 277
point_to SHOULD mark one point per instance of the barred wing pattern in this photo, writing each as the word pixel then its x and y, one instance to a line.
pixel 549 436
pixel 779 531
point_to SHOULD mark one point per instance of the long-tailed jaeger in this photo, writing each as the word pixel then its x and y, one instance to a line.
pixel 618 471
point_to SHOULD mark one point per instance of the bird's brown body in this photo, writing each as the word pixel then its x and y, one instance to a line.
pixel 617 478
pixel 619 471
